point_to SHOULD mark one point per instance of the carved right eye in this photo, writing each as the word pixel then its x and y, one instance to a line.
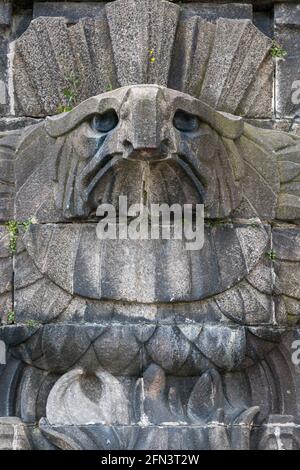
pixel 105 122
pixel 185 122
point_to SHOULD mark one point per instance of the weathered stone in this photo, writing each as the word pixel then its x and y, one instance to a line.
pixel 110 405
pixel 6 270
pixel 3 75
pixel 281 432
pixel 7 148
pixel 35 385
pixel 248 305
pixel 152 24
pixel 168 437
pixel 12 124
pixel 128 349
pixel 194 38
pixel 13 434
pixel 5 13
pixel 289 169
pixel 248 168
pixel 287 33
pixel 211 11
pixel 70 260
pixel 98 54
pixel 288 72
pixel 233 65
pixel 162 402
pixel 8 143
pixel 71 11
pixel 286 243
pixel 287 15
pixel 258 102
pixel 2 93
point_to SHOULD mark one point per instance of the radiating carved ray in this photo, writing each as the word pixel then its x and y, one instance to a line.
pixel 152 43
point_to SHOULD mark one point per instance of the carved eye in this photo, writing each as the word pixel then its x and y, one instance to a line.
pixel 186 122
pixel 105 122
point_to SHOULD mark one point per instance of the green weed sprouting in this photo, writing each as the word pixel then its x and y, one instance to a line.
pixel 70 93
pixel 32 323
pixel 13 227
pixel 271 254
pixel 277 50
pixel 11 317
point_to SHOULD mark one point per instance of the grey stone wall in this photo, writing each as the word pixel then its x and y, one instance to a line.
pixel 59 325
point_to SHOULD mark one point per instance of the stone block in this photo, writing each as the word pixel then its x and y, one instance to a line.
pixel 128 349
pixel 226 90
pixel 12 124
pixel 3 75
pixel 211 11
pixel 102 55
pixel 6 272
pixel 65 261
pixel 71 11
pixel 217 436
pixel 287 34
pixel 258 103
pixel 286 243
pixel 287 15
pixel 8 142
pixel 5 13
pixel 13 434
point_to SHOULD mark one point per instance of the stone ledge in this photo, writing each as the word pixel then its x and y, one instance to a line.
pixel 287 15
pixel 72 11
pixel 5 13
pixel 213 11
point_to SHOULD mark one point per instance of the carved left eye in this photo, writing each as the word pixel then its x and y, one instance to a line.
pixel 186 122
pixel 105 122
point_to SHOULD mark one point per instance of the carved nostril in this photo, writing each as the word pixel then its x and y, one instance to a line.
pixel 165 145
pixel 127 145
pixel 155 153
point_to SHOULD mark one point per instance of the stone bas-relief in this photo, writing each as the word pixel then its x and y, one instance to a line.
pixel 185 152
pixel 123 344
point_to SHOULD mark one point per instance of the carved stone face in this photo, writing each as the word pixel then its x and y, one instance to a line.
pixel 153 145
pixel 149 143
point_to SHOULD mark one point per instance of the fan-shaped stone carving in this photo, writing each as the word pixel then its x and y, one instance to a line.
pixel 141 41
pixel 79 263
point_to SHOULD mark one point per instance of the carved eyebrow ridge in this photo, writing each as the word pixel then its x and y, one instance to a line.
pixel 59 125
pixel 227 125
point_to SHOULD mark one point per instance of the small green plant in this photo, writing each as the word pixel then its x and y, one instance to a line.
pixel 32 323
pixel 151 55
pixel 271 254
pixel 254 225
pixel 63 109
pixel 11 317
pixel 109 87
pixel 70 93
pixel 216 223
pixel 13 227
pixel 277 50
pixel 27 224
